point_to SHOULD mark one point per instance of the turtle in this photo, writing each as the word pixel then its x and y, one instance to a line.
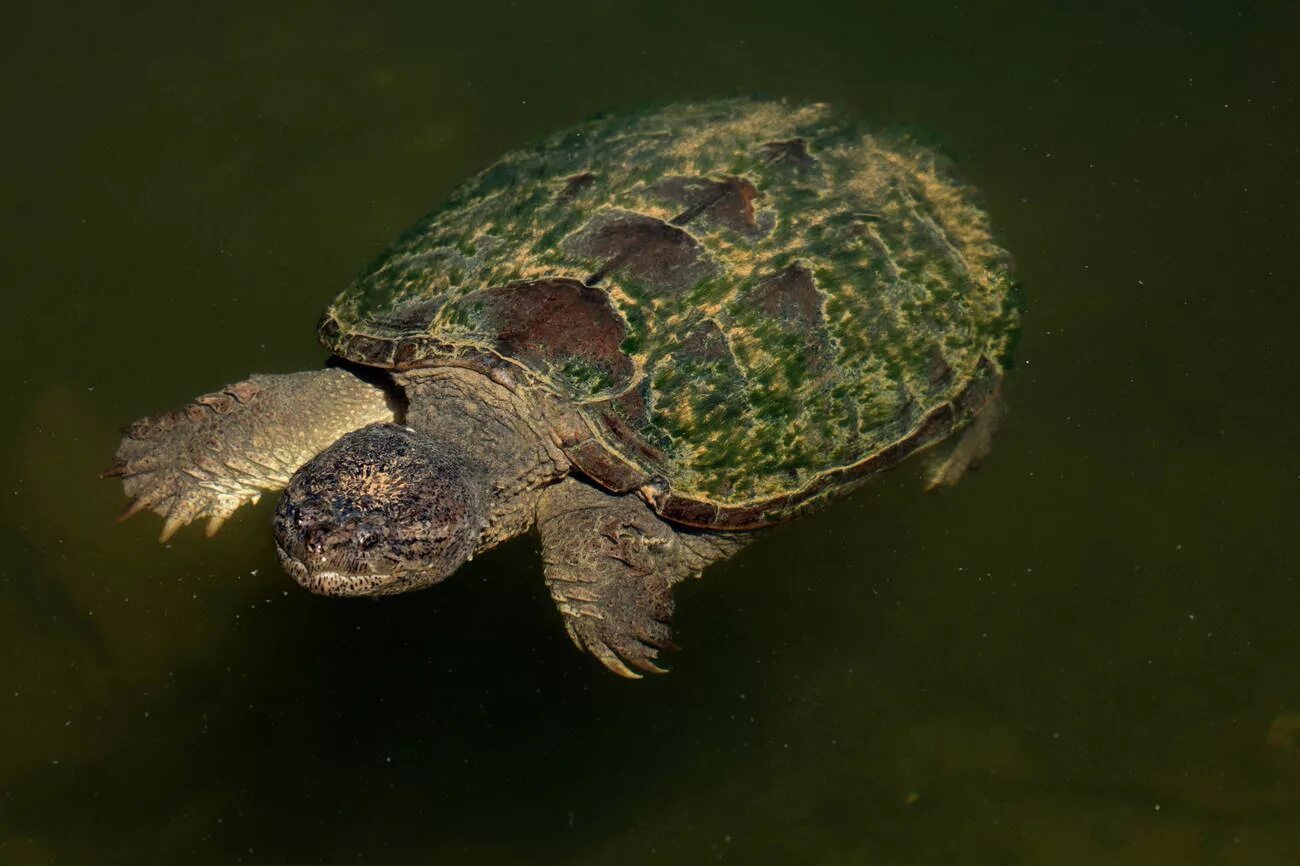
pixel 646 337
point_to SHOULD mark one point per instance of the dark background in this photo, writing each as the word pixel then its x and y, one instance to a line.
pixel 1075 656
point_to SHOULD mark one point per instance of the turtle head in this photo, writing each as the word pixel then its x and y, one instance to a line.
pixel 383 510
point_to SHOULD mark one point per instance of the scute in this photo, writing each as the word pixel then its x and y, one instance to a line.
pixel 565 329
pixel 746 304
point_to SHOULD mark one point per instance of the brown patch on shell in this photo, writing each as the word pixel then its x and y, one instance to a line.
pixel 704 342
pixel 793 151
pixel 790 299
pixel 940 372
pixel 575 185
pixel 552 323
pixel 641 248
pixel 632 403
pixel 727 203
pixel 791 295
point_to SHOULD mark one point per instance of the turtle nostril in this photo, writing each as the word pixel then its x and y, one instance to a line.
pixel 366 536
pixel 319 536
pixel 316 539
pixel 340 533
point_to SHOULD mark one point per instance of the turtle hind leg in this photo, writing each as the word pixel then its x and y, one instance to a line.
pixel 611 563
pixel 947 464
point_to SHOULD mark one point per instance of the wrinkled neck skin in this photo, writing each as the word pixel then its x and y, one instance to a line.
pixel 494 428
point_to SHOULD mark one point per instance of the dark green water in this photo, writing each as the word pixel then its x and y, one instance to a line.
pixel 1074 657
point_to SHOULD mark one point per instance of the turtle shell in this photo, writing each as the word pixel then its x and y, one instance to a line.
pixel 741 306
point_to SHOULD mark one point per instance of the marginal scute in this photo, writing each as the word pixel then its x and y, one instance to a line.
pixel 691 512
pixel 980 387
pixel 611 470
pixel 755 304
pixel 329 331
pixel 365 349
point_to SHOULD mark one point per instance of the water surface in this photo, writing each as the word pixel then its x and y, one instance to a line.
pixel 1074 657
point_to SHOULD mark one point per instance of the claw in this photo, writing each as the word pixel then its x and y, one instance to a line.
pixel 219 511
pixel 173 523
pixel 183 509
pixel 619 655
pixel 647 665
pixel 114 471
pixel 134 507
pixel 611 661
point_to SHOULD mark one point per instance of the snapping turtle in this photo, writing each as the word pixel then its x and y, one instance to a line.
pixel 646 336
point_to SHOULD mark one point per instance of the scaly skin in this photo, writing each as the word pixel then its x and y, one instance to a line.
pixel 372 507
pixel 611 564
pixel 228 448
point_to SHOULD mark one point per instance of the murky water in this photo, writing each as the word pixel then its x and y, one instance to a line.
pixel 1084 654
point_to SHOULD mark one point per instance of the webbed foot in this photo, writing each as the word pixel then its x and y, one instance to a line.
pixel 611 563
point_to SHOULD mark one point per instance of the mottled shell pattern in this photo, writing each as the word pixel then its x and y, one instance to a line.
pixel 741 306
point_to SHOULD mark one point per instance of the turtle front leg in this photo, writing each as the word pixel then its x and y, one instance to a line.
pixel 611 563
pixel 226 448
